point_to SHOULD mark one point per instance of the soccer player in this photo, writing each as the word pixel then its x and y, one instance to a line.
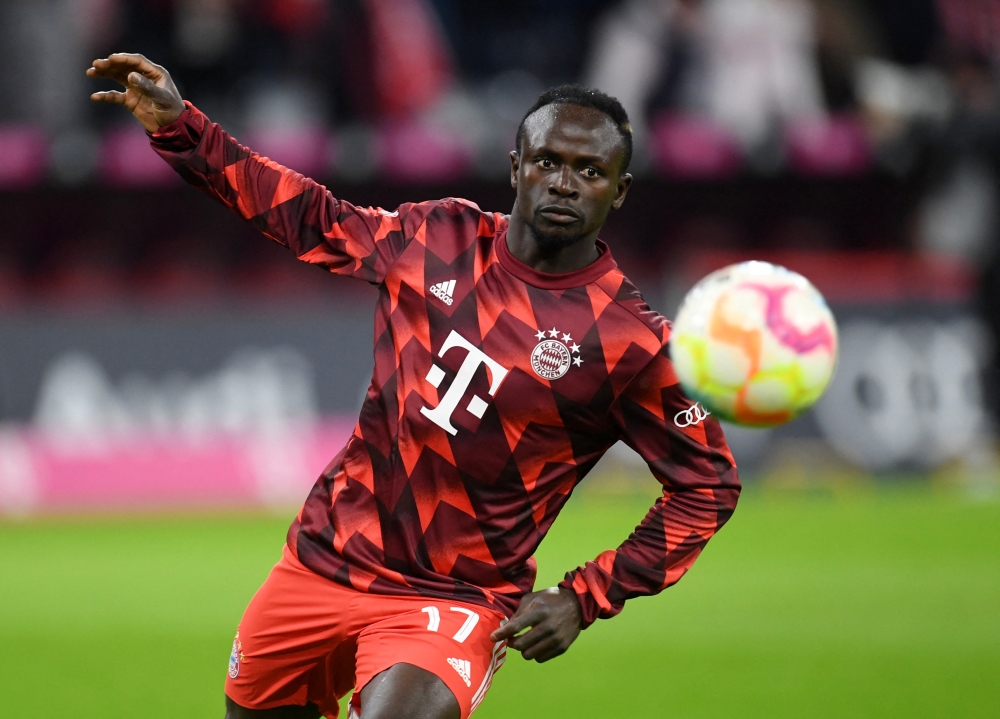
pixel 510 354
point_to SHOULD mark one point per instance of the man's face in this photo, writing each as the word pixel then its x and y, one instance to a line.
pixel 568 173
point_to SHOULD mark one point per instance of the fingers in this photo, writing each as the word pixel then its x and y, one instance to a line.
pixel 119 65
pixel 523 619
pixel 557 651
pixel 552 618
pixel 542 651
pixel 115 98
pixel 101 70
pixel 145 86
pixel 546 641
pixel 528 641
pixel 137 82
pixel 133 61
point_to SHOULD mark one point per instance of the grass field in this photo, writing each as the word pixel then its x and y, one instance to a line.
pixel 880 603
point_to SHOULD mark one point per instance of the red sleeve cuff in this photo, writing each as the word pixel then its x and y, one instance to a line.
pixel 589 610
pixel 183 132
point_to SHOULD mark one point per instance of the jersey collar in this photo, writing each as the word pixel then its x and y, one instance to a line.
pixel 604 264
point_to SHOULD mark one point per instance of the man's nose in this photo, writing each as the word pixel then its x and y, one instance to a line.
pixel 563 184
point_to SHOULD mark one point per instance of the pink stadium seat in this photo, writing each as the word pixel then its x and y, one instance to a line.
pixel 693 147
pixel 307 151
pixel 127 161
pixel 23 156
pixel 412 152
pixel 835 146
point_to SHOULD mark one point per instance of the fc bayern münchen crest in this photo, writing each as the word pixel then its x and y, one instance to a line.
pixel 236 657
pixel 553 355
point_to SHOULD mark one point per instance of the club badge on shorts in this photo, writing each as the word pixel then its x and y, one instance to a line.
pixel 236 657
pixel 554 354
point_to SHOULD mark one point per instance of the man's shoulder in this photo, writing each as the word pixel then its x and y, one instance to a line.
pixel 447 205
pixel 631 333
pixel 442 218
pixel 633 309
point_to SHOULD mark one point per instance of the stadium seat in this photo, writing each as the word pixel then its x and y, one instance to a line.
pixel 415 152
pixel 127 161
pixel 23 156
pixel 309 151
pixel 693 147
pixel 836 146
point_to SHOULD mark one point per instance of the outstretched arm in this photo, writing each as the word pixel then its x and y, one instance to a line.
pixel 284 205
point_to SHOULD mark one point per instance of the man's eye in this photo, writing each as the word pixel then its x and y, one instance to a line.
pixel 591 172
pixel 545 162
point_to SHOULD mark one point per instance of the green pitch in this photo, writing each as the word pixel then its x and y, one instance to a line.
pixel 877 604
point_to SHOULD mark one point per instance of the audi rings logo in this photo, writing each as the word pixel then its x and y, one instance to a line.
pixel 693 415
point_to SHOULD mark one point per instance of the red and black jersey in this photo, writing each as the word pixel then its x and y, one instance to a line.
pixel 496 389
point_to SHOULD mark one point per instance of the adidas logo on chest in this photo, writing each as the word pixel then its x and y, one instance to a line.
pixel 444 291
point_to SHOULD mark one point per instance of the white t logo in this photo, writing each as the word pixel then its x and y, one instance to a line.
pixel 441 415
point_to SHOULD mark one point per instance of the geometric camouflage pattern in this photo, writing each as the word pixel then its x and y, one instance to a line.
pixel 492 397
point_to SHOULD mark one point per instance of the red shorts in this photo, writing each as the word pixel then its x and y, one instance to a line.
pixel 307 639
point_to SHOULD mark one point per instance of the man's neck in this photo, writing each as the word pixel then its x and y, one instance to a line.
pixel 524 245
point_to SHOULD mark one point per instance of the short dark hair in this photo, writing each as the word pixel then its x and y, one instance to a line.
pixel 585 97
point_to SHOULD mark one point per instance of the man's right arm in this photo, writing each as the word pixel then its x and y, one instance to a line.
pixel 286 206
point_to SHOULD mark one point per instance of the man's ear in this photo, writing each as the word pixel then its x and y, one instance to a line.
pixel 624 182
pixel 515 165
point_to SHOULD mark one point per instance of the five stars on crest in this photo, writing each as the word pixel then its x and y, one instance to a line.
pixel 567 339
pixel 554 354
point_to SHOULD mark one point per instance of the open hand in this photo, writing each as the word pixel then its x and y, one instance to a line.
pixel 149 92
pixel 555 621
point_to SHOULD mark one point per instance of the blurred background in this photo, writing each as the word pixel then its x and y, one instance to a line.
pixel 161 363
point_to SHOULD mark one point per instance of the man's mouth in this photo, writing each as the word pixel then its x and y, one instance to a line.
pixel 559 215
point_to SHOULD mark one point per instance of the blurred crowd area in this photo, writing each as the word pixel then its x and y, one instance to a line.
pixel 430 89
pixel 889 107
pixel 855 141
pixel 760 124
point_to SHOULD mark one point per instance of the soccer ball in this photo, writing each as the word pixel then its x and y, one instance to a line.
pixel 755 344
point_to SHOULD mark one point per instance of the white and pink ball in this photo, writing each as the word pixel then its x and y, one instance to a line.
pixel 755 343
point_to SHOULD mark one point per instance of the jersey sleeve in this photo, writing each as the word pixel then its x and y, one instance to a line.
pixel 284 205
pixel 687 453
